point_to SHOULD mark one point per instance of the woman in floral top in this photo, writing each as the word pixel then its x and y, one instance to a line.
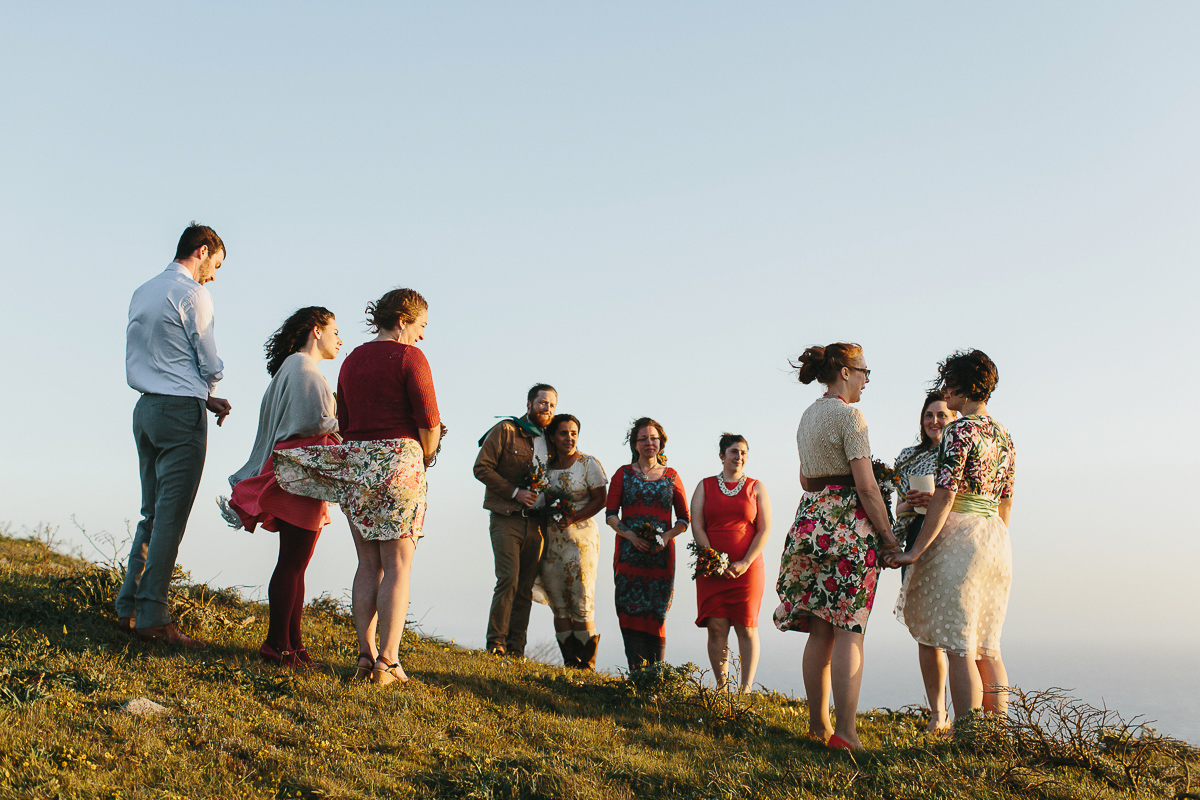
pixel 921 459
pixel 831 558
pixel 640 500
pixel 956 594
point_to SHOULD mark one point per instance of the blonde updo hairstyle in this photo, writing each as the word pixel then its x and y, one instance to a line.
pixel 824 364
pixel 398 305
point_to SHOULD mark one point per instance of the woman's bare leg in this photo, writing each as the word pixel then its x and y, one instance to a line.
pixel 846 670
pixel 966 686
pixel 396 557
pixel 718 650
pixel 818 653
pixel 748 650
pixel 934 670
pixel 992 674
pixel 365 589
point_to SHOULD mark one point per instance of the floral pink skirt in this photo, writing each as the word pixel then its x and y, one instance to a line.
pixel 380 484
pixel 830 563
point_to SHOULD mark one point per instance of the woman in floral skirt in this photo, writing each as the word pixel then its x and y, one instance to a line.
pixel 640 500
pixel 955 595
pixel 388 416
pixel 830 563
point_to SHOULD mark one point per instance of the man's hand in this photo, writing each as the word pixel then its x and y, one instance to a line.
pixel 526 497
pixel 219 407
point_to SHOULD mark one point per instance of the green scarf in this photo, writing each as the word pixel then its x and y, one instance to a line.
pixel 520 422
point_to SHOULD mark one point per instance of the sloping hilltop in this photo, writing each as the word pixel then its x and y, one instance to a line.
pixel 476 726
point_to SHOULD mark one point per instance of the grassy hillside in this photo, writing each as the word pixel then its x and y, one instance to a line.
pixel 477 727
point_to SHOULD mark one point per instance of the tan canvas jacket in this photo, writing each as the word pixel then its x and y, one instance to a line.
pixel 503 461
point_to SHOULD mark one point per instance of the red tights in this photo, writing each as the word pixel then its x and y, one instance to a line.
pixel 286 590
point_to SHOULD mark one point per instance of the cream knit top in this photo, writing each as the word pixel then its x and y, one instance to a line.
pixel 831 433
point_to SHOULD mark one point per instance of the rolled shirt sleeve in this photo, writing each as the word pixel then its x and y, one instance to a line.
pixel 200 323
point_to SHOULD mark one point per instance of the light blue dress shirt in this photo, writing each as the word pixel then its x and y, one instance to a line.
pixel 169 344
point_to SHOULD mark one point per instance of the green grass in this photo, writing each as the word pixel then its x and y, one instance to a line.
pixel 477 726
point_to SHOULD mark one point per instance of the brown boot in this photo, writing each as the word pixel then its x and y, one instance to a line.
pixel 587 652
pixel 569 648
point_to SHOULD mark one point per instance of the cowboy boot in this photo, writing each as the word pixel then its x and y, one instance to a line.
pixel 569 648
pixel 587 653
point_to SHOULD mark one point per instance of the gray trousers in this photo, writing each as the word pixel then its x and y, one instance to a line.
pixel 517 546
pixel 172 436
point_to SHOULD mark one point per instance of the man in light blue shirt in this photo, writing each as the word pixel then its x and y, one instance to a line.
pixel 171 358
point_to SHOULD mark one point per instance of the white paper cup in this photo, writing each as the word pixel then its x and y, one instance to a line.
pixel 920 483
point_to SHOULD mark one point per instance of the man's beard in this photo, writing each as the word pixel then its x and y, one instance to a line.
pixel 540 418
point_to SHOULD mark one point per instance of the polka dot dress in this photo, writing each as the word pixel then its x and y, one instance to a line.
pixel 955 597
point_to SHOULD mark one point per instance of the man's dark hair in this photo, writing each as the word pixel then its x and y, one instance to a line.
pixel 539 387
pixel 196 236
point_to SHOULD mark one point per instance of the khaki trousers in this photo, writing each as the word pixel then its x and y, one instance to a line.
pixel 517 547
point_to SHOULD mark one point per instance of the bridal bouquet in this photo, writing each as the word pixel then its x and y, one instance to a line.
pixel 559 504
pixel 707 562
pixel 535 477
pixel 649 532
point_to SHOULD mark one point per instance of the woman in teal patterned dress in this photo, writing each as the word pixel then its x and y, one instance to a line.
pixel 640 500
pixel 955 595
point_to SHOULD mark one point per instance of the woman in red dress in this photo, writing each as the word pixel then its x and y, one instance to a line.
pixel 731 513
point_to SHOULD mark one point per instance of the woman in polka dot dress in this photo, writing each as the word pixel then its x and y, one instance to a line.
pixel 956 593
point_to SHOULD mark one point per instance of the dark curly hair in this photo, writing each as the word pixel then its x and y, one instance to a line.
pixel 631 438
pixel 398 305
pixel 728 440
pixel 823 364
pixel 293 334
pixel 969 373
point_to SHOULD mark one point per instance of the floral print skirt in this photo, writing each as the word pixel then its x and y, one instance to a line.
pixel 829 568
pixel 380 484
pixel 566 578
pixel 956 595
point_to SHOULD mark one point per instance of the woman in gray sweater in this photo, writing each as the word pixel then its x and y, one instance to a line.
pixel 298 409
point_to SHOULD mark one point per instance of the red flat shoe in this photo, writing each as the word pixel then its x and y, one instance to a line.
pixel 838 743
pixel 284 658
pixel 307 661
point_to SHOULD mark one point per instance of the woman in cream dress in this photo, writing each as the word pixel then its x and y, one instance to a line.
pixel 567 575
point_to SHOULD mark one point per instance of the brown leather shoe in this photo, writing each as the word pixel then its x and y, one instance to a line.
pixel 170 634
pixel 126 625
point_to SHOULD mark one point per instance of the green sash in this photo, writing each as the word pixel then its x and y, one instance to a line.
pixel 977 504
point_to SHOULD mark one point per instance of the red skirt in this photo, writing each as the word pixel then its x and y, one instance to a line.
pixel 260 500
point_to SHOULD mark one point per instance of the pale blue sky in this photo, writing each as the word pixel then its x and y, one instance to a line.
pixel 651 207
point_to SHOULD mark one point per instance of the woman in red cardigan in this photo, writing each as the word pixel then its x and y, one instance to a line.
pixel 388 415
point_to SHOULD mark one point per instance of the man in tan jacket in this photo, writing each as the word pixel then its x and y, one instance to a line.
pixel 507 455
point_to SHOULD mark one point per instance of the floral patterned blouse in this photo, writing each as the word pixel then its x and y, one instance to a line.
pixel 914 461
pixel 976 457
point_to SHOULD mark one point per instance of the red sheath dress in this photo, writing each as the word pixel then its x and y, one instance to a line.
pixel 730 525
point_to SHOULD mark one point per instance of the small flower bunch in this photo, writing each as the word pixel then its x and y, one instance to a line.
pixel 888 481
pixel 648 531
pixel 707 562
pixel 559 504
pixel 535 477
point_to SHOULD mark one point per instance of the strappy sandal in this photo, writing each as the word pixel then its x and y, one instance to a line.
pixel 362 673
pixel 387 675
